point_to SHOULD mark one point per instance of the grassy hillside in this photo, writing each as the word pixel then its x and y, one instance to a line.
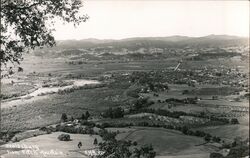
pixel 166 142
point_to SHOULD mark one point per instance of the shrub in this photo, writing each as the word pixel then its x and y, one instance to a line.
pixel 83 117
pixel 199 133
pixel 64 137
pixel 95 142
pixel 184 130
pixel 234 121
pixel 216 155
pixel 48 130
pixel 89 130
pixel 88 123
pixel 216 139
pixel 185 92
pixel 64 117
pixel 114 113
pixel 142 102
pixel 239 151
pixel 135 143
pixel 87 115
pixel 207 138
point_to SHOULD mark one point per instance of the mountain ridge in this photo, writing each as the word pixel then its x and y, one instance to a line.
pixel 211 36
pixel 160 42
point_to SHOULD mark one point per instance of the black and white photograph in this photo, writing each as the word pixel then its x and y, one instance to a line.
pixel 124 78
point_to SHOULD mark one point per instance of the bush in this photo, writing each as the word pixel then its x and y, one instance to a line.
pixel 207 138
pixel 185 92
pixel 95 141
pixel 114 148
pixel 239 151
pixel 114 113
pixel 199 133
pixel 47 129
pixel 216 139
pixel 64 117
pixel 135 143
pixel 216 155
pixel 87 115
pixel 142 102
pixel 89 130
pixel 190 132
pixel 83 117
pixel 184 130
pixel 88 123
pixel 64 137
pixel 234 121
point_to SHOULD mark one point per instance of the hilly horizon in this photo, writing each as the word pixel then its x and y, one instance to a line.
pixel 167 38
pixel 160 42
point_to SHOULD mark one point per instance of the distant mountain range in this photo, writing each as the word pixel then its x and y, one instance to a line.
pixel 157 42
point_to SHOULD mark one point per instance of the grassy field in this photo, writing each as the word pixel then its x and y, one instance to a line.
pixel 228 132
pixel 225 103
pixel 15 90
pixel 46 143
pixel 201 91
pixel 168 143
pixel 165 142
pixel 48 109
pixel 59 66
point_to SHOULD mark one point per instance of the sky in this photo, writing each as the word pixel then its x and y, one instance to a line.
pixel 118 19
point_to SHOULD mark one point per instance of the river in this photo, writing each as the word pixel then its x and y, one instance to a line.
pixel 43 92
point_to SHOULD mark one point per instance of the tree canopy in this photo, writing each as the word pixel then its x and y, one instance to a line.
pixel 27 24
pixel 113 148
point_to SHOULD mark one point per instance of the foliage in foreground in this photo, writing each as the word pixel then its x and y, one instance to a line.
pixel 29 24
pixel 239 148
pixel 114 148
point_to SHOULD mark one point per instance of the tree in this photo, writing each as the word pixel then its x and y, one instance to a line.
pixel 237 141
pixel 114 148
pixel 234 121
pixel 64 137
pixel 89 130
pixel 95 141
pixel 135 143
pixel 114 112
pixel 239 148
pixel 107 136
pixel 87 115
pixel 83 117
pixel 28 24
pixel 118 112
pixel 64 117
pixel 147 151
pixel 185 91
pixel 184 130
pixel 79 145
pixel 108 112
pixel 216 155
pixel 207 138
pixel 216 139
